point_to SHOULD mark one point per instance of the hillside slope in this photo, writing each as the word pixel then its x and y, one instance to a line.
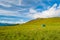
pixel 38 29
pixel 50 23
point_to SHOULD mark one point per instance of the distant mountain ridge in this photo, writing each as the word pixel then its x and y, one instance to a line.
pixel 6 24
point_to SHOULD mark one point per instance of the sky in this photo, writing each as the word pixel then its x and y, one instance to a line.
pixel 21 11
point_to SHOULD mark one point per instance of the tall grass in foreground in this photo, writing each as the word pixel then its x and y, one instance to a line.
pixel 31 35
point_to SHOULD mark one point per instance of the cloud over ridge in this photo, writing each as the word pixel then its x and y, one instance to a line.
pixel 51 12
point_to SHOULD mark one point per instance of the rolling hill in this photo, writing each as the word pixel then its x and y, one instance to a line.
pixel 37 29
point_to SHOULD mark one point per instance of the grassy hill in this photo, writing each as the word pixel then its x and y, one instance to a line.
pixel 37 29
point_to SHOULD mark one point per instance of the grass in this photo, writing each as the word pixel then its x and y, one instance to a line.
pixel 33 30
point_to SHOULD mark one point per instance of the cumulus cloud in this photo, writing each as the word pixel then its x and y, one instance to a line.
pixel 51 12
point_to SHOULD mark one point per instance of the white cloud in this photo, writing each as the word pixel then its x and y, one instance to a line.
pixel 19 2
pixel 20 21
pixel 5 4
pixel 58 7
pixel 15 2
pixel 51 12
pixel 13 22
pixel 5 21
pixel 9 13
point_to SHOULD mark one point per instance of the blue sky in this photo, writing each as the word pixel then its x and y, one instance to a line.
pixel 21 11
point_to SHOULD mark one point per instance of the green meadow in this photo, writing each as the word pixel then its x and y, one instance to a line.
pixel 37 29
